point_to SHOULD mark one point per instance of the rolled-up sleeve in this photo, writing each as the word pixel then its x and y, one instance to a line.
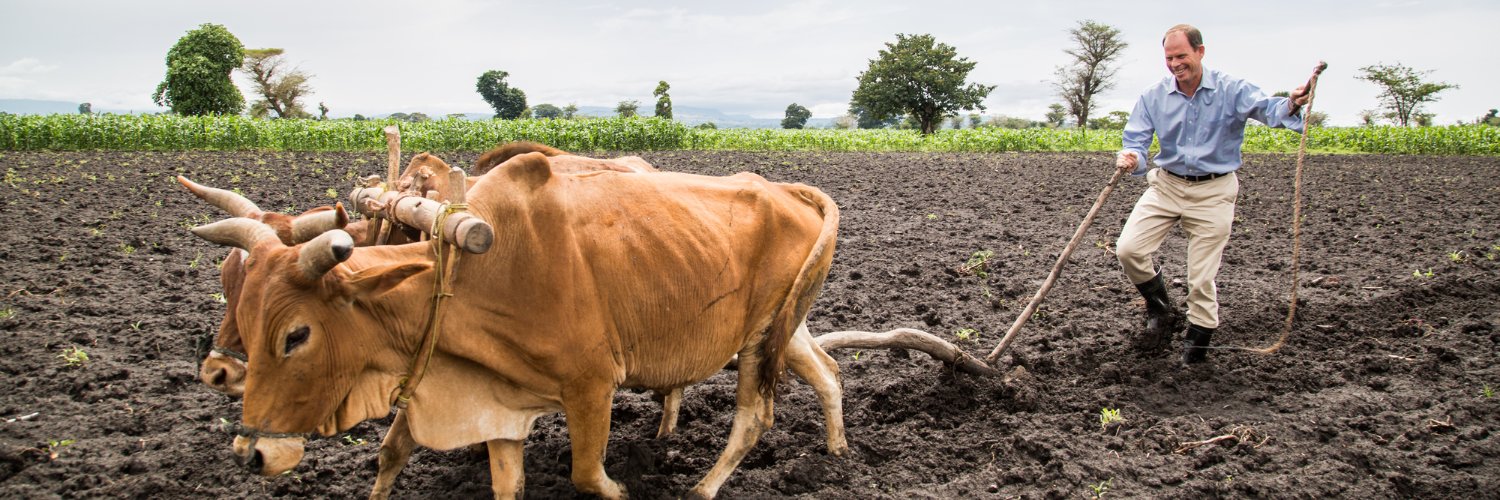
pixel 1270 110
pixel 1137 135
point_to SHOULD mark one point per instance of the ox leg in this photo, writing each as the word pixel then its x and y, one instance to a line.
pixel 588 414
pixel 507 478
pixel 671 403
pixel 395 451
pixel 819 370
pixel 752 416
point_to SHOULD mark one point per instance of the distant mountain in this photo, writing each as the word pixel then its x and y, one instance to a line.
pixel 38 107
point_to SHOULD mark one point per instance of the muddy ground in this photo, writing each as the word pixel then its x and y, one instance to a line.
pixel 1384 389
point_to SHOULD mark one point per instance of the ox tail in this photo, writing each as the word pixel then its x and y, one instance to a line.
pixel 494 157
pixel 804 290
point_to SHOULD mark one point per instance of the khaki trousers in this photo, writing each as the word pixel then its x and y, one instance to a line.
pixel 1206 211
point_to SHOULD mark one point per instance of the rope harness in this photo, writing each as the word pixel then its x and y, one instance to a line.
pixel 445 259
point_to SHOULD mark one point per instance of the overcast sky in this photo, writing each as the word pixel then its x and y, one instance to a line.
pixel 381 56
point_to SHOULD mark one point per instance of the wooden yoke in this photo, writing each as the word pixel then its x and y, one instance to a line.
pixel 461 229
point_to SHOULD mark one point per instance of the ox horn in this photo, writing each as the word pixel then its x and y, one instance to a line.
pixel 309 226
pixel 238 232
pixel 229 201
pixel 318 256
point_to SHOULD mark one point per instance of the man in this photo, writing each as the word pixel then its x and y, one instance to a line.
pixel 1198 116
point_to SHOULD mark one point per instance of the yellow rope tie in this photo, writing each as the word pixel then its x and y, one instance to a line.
pixel 442 263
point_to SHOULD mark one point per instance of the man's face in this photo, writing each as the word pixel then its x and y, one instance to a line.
pixel 1183 61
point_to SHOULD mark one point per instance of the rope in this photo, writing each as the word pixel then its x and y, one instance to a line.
pixel 1291 310
pixel 446 256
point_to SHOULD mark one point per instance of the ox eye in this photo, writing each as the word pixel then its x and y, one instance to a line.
pixel 296 338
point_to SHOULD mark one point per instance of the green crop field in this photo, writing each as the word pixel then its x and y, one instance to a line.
pixel 232 133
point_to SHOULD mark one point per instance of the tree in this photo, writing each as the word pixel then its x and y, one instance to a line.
pixel 322 111
pixel 1490 119
pixel 627 109
pixel 864 119
pixel 974 120
pixel 570 110
pixel 707 126
pixel 956 121
pixel 279 89
pixel 1091 72
pixel 546 111
pixel 796 116
pixel 1115 120
pixel 845 122
pixel 663 101
pixel 1402 90
pixel 507 101
pixel 86 109
pixel 920 77
pixel 413 117
pixel 1057 115
pixel 198 68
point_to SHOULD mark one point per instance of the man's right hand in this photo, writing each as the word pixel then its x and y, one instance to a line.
pixel 1126 160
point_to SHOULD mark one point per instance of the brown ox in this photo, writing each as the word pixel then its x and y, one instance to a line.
pixel 632 332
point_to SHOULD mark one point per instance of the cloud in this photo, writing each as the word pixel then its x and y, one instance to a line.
pixel 26 66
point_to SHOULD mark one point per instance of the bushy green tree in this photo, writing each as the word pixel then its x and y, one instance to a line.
pixel 627 109
pixel 1402 90
pixel 570 110
pixel 919 77
pixel 796 116
pixel 198 68
pixel 663 101
pixel 864 119
pixel 1057 115
pixel 546 111
pixel 86 109
pixel 1490 119
pixel 508 102
pixel 1096 47
pixel 1115 120
pixel 280 89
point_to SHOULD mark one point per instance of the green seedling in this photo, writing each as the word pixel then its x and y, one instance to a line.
pixel 136 326
pixel 332 193
pixel 967 334
pixel 126 249
pixel 7 313
pixel 1101 488
pixel 1487 391
pixel 219 297
pixel 858 354
pixel 74 357
pixel 978 264
pixel 193 264
pixel 931 216
pixel 96 231
pixel 1456 256
pixel 1109 416
pixel 54 447
pixel 353 441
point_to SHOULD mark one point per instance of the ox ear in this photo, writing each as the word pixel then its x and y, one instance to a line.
pixel 530 169
pixel 374 281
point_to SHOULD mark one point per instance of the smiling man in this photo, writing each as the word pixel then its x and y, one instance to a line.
pixel 1198 116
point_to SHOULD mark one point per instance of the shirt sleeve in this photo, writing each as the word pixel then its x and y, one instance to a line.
pixel 1270 110
pixel 1137 135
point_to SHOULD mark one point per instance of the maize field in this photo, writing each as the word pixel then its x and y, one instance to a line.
pixel 237 133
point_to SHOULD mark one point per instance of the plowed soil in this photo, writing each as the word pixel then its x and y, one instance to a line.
pixel 1384 389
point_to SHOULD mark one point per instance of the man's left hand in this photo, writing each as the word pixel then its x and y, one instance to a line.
pixel 1297 100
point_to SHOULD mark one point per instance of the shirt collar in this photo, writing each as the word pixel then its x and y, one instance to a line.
pixel 1210 81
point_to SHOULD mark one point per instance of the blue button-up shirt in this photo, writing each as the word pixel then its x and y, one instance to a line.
pixel 1201 134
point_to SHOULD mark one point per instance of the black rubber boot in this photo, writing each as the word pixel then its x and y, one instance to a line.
pixel 1195 347
pixel 1160 317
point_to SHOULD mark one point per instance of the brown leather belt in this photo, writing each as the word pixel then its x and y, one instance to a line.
pixel 1196 178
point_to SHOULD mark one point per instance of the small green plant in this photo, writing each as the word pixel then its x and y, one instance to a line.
pixel 1487 391
pixel 978 264
pixel 7 313
pixel 858 354
pixel 931 216
pixel 74 356
pixel 1456 256
pixel 332 193
pixel 55 446
pixel 1419 274
pixel 353 441
pixel 193 264
pixel 95 231
pixel 219 297
pixel 1109 416
pixel 1101 488
pixel 967 334
pixel 136 326
pixel 126 249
